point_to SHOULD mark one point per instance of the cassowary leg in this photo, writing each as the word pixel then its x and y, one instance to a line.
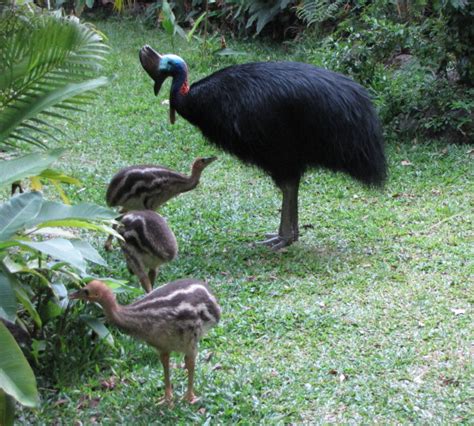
pixel 288 232
pixel 165 361
pixel 189 361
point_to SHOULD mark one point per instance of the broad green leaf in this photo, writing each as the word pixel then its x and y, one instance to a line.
pixel 121 286
pixel 6 244
pixel 60 290
pixel 59 249
pixel 12 266
pixel 50 311
pixel 16 376
pixel 112 231
pixel 25 300
pixel 169 20
pixel 79 6
pixel 35 184
pixel 72 223
pixel 7 409
pixel 190 34
pixel 54 232
pixel 116 285
pixel 88 252
pixel 37 346
pixel 26 166
pixel 99 328
pixel 8 303
pixel 167 12
pixel 16 212
pixel 54 211
pixel 168 27
pixel 59 177
pixel 61 192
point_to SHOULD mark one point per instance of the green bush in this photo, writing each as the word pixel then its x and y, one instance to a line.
pixel 414 103
pixel 47 70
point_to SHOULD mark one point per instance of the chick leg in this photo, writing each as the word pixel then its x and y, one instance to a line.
pixel 108 242
pixel 110 238
pixel 190 361
pixel 165 361
pixel 17 185
pixel 152 276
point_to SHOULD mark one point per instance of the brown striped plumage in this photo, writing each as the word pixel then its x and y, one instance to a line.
pixel 149 187
pixel 171 318
pixel 148 243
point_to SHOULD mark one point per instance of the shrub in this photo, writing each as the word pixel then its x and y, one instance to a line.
pixel 47 66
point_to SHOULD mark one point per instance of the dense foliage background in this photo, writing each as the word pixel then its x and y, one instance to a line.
pixel 416 56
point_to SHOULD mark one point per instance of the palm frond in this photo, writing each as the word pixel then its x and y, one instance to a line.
pixel 47 65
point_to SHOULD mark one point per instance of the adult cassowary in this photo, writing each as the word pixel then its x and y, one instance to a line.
pixel 283 117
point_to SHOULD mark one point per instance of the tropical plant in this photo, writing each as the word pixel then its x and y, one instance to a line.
pixel 40 255
pixel 168 21
pixel 17 379
pixel 315 12
pixel 47 68
pixel 258 14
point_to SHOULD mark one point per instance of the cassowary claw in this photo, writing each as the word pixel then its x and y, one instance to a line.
pixel 191 398
pixel 276 242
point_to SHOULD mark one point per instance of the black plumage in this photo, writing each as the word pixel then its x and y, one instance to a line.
pixel 283 117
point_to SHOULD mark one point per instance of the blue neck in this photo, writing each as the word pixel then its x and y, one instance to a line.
pixel 179 79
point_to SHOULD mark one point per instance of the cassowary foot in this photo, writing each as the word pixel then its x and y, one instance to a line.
pixel 277 242
pixel 191 398
pixel 270 235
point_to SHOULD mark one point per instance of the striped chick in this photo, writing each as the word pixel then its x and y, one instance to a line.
pixel 171 318
pixel 148 243
pixel 148 187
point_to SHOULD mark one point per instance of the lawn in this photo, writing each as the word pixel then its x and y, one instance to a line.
pixel 367 319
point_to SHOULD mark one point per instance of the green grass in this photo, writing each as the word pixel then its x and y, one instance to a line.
pixel 367 319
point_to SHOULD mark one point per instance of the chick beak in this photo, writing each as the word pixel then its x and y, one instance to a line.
pixel 76 295
pixel 209 160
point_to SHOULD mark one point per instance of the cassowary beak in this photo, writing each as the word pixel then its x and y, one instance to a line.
pixel 158 82
pixel 150 60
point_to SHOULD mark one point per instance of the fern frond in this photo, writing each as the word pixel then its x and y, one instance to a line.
pixel 317 11
pixel 46 63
